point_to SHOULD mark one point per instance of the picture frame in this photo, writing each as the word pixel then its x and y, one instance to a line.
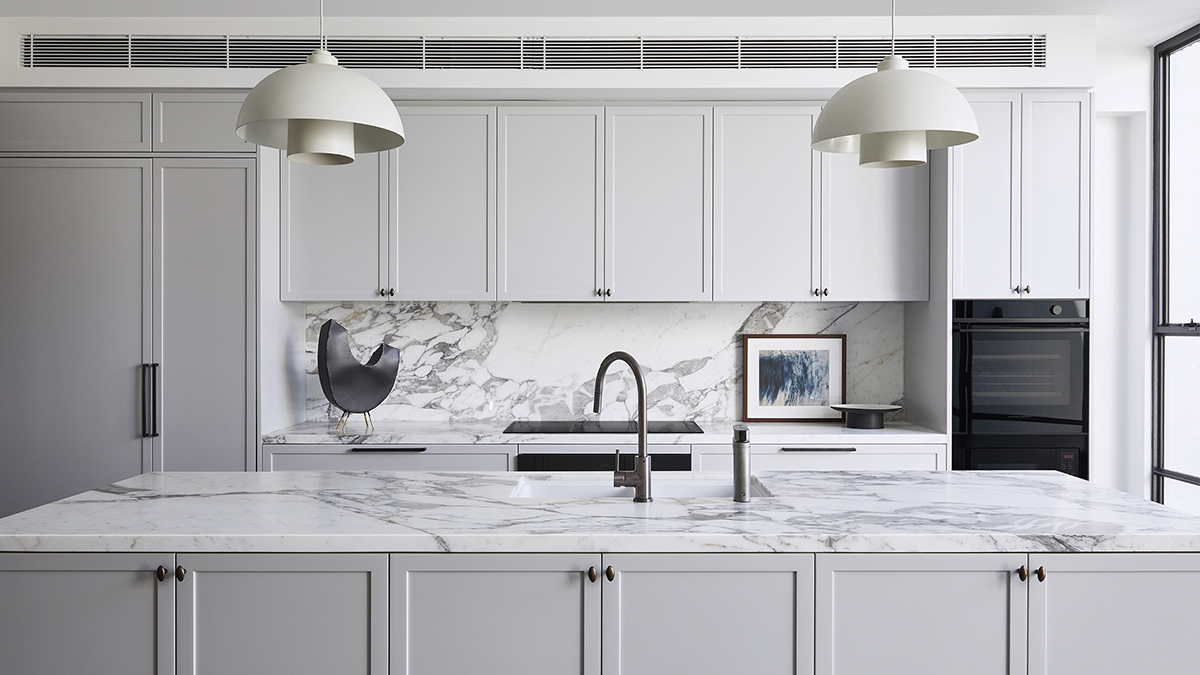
pixel 793 378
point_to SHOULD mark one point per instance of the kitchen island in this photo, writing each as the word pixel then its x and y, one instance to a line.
pixel 375 572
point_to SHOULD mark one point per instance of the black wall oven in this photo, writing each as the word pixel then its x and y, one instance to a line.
pixel 1020 397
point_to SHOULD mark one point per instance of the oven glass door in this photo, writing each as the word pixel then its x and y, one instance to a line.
pixel 1020 380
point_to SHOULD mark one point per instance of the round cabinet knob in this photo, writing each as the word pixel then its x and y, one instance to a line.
pixel 1041 573
pixel 592 574
pixel 608 292
pixel 825 292
pixel 599 292
pixel 610 573
pixel 180 573
pixel 1023 573
pixel 383 292
pixel 1017 290
pixel 391 292
pixel 161 573
pixel 817 292
pixel 1026 289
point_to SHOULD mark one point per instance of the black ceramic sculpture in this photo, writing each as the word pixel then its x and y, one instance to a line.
pixel 352 386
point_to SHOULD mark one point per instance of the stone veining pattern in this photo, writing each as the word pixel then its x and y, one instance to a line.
pixel 830 511
pixel 503 361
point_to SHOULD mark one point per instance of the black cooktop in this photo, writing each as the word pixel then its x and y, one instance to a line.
pixel 601 427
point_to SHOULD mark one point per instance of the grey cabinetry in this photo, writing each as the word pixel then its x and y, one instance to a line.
pixel 295 457
pixel 75 257
pixel 87 613
pixel 550 192
pixel 1113 613
pixel 918 613
pixel 1021 198
pixel 282 613
pixel 874 232
pixel 766 204
pixel 198 122
pixel 708 613
pixel 537 614
pixel 657 210
pixel 334 230
pixel 204 314
pixel 442 244
pixel 74 122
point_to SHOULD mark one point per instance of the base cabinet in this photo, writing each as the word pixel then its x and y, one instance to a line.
pixel 282 613
pixel 86 613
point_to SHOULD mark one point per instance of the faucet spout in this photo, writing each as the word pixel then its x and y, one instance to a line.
pixel 639 478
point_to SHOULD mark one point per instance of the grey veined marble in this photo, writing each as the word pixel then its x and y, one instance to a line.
pixel 497 361
pixel 810 511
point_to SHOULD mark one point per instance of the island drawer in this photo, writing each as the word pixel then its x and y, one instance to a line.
pixel 826 457
pixel 403 457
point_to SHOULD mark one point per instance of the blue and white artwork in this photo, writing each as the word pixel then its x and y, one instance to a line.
pixel 793 377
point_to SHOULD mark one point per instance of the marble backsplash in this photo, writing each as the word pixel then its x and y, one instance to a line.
pixel 503 361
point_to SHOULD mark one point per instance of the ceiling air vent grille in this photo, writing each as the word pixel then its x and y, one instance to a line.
pixel 529 53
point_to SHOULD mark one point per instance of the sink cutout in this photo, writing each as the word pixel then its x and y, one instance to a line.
pixel 666 487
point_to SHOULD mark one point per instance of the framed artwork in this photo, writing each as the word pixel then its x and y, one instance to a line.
pixel 793 378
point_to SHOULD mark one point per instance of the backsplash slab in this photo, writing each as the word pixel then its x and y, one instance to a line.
pixel 502 361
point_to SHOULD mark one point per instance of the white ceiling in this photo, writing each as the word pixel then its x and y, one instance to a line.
pixel 1119 21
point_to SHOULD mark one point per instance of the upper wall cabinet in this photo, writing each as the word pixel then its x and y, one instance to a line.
pixel 657 234
pixel 442 245
pixel 874 232
pixel 551 183
pixel 198 123
pixel 74 122
pixel 766 204
pixel 1021 198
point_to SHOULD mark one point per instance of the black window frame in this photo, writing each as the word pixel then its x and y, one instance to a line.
pixel 1162 329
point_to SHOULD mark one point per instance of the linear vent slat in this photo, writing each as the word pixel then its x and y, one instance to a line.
pixel 530 53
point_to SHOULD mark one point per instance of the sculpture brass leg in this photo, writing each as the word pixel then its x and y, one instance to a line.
pixel 369 421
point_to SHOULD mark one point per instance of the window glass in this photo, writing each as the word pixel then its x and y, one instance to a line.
pixel 1182 496
pixel 1183 185
pixel 1181 404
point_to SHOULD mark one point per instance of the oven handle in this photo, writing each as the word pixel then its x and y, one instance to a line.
pixel 1029 329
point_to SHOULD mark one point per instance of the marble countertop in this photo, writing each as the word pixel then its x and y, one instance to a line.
pixel 832 511
pixel 715 433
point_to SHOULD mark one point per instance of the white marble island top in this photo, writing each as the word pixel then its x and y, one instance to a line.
pixel 832 511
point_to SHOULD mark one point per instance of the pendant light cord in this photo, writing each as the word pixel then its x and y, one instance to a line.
pixel 893 25
pixel 323 23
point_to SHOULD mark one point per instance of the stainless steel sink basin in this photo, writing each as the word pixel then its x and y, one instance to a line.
pixel 592 486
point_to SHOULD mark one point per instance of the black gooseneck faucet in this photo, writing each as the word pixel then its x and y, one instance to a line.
pixel 639 478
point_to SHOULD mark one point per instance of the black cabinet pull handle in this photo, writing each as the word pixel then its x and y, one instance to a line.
pixel 592 574
pixel 180 573
pixel 146 412
pixel 610 573
pixel 819 449
pixel 161 573
pixel 1023 573
pixel 386 449
pixel 1041 573
pixel 154 400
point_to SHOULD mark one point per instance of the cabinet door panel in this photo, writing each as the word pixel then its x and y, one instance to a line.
pixel 926 457
pixel 766 197
pixel 75 260
pixel 282 613
pixel 658 241
pixel 198 123
pixel 1056 218
pixel 333 239
pixel 915 613
pixel 987 202
pixel 74 122
pixel 536 614
pixel 444 246
pixel 1112 614
pixel 86 613
pixel 708 613
pixel 205 313
pixel 550 182
pixel 875 231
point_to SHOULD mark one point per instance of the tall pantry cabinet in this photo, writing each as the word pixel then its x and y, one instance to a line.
pixel 127 252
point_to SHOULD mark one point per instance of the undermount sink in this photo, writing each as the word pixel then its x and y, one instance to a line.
pixel 593 487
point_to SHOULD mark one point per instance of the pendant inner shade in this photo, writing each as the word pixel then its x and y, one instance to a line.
pixel 324 142
pixel 892 149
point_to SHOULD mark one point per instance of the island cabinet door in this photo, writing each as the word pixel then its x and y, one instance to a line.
pixel 708 613
pixel 1114 613
pixel 300 614
pixel 933 614
pixel 466 614
pixel 86 613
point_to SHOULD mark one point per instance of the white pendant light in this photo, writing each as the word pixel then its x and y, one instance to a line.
pixel 893 117
pixel 319 112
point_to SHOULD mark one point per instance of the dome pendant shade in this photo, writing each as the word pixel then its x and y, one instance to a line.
pixel 883 116
pixel 323 97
